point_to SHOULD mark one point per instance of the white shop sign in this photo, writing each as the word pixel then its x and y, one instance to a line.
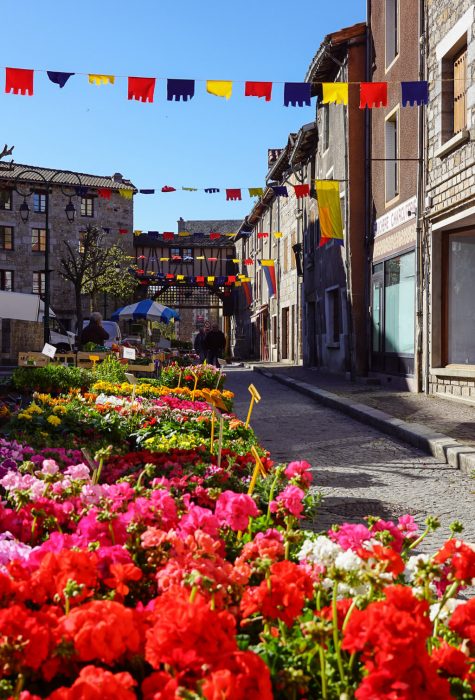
pixel 396 217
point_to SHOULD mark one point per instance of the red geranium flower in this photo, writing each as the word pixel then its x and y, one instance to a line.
pixel 94 683
pixel 281 596
pixel 460 557
pixel 463 621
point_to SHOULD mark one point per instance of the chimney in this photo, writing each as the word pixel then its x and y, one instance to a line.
pixel 117 177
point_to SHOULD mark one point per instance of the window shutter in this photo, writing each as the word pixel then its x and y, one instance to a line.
pixel 460 91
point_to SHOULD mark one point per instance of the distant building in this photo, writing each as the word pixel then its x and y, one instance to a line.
pixel 96 200
pixel 198 249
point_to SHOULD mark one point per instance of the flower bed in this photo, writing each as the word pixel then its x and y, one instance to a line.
pixel 157 574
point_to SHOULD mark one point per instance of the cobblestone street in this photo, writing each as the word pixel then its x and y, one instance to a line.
pixel 359 470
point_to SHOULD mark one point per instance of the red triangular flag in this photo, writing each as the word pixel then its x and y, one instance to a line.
pixel 104 193
pixel 233 195
pixel 263 235
pixel 258 90
pixel 214 236
pixel 141 89
pixel 168 235
pixel 373 95
pixel 168 188
pixel 19 81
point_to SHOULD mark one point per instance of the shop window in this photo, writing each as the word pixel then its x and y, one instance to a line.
pixel 460 340
pixel 399 299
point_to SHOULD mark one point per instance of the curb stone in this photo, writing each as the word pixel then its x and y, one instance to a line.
pixel 441 446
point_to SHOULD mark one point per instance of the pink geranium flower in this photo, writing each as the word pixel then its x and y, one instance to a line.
pixel 235 509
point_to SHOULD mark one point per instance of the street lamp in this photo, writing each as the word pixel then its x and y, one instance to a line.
pixel 24 210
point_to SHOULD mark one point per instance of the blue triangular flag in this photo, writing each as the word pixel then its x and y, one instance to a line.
pixel 59 78
pixel 415 93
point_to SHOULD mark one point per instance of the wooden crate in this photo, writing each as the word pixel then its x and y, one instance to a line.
pixel 83 359
pixel 65 358
pixel 150 367
pixel 32 359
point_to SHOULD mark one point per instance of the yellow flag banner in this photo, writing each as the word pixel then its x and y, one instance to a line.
pixel 329 208
pixel 335 92
pixel 221 88
pixel 126 194
pixel 97 79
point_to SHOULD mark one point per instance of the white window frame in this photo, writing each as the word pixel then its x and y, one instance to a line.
pixel 392 32
pixel 392 169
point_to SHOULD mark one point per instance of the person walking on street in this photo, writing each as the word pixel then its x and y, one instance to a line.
pixel 94 332
pixel 214 343
pixel 199 344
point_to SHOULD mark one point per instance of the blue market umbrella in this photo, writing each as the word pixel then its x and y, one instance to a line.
pixel 148 310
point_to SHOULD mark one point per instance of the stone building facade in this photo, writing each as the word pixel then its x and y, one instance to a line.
pixel 394 55
pixel 317 315
pixel 105 202
pixel 450 199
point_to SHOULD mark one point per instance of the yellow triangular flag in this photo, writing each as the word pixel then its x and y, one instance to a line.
pixel 210 279
pixel 335 92
pixel 184 233
pixel 200 257
pixel 221 88
pixel 180 277
pixel 277 234
pixel 236 260
pixel 126 194
pixel 164 259
pixel 97 79
pixel 137 233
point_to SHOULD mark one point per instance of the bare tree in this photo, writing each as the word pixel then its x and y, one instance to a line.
pixel 6 152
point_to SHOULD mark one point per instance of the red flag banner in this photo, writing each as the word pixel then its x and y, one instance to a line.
pixel 19 81
pixel 233 195
pixel 301 191
pixel 141 89
pixel 373 95
pixel 253 89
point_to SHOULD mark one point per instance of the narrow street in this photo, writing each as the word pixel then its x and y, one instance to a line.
pixel 359 470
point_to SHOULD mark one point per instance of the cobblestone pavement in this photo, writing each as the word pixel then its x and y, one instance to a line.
pixel 452 418
pixel 359 470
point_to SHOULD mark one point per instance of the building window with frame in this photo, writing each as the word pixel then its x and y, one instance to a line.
pixel 391 145
pixel 38 240
pixel 459 338
pixel 175 253
pixel 333 316
pixel 187 255
pixel 87 206
pixel 6 280
pixel 39 202
pixel 6 200
pixel 392 30
pixel 6 238
pixel 38 283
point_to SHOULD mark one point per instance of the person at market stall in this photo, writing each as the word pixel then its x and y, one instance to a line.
pixel 199 344
pixel 214 344
pixel 94 332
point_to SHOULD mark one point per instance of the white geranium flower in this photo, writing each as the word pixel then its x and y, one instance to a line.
pixel 320 550
pixel 349 561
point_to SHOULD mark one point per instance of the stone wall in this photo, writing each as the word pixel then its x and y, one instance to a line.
pixel 114 214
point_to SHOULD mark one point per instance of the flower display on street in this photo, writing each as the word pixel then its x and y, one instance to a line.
pixel 151 549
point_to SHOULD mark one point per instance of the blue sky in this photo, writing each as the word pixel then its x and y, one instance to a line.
pixel 206 142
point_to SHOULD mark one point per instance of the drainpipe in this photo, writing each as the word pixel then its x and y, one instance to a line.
pixel 277 276
pixel 349 281
pixel 421 277
pixel 423 161
pixel 368 185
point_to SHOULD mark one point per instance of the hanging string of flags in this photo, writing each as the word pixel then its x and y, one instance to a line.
pixel 150 276
pixel 20 81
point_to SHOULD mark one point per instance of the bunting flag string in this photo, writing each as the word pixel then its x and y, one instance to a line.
pixel 19 81
pixel 145 276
